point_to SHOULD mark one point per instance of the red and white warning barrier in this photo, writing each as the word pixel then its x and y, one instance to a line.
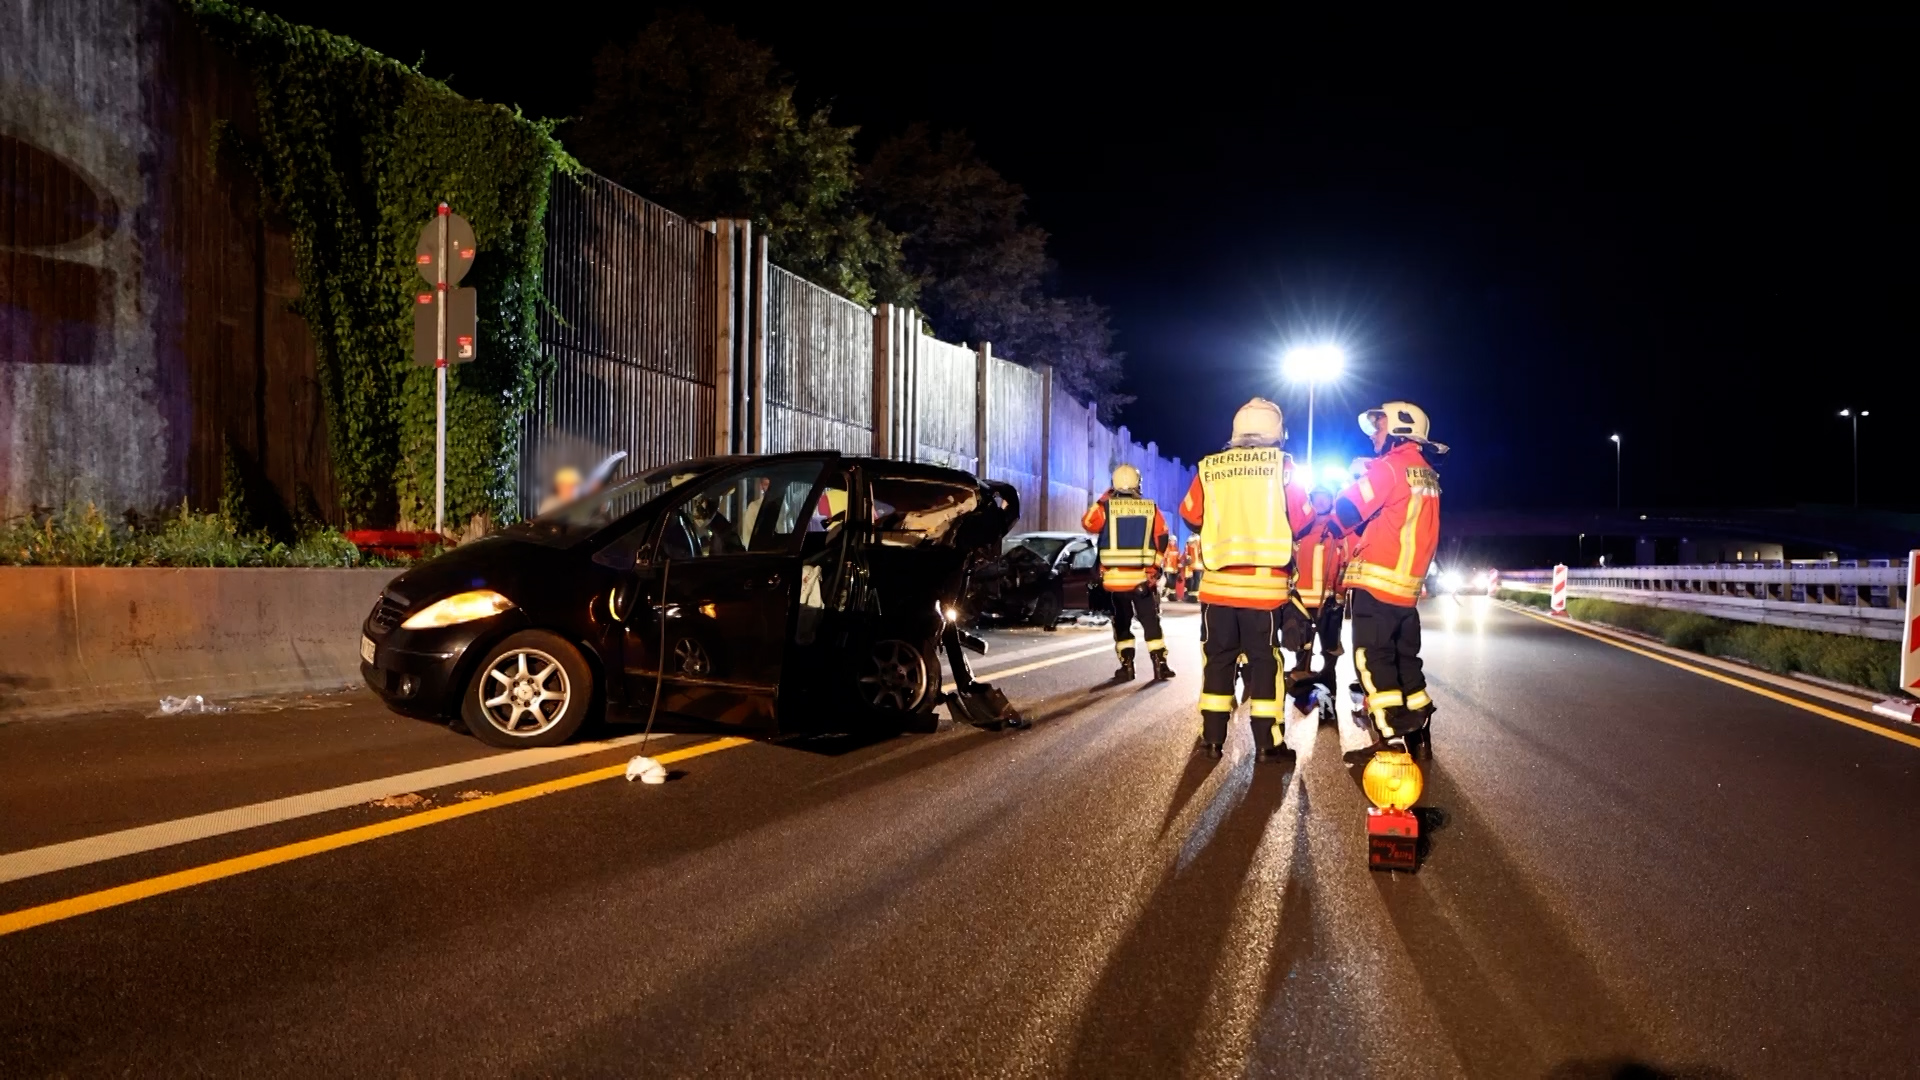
pixel 1493 582
pixel 1907 707
pixel 1559 605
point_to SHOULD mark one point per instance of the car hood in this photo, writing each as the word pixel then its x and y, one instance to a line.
pixel 500 563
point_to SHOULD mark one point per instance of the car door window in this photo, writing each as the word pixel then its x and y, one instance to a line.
pixel 759 511
pixel 1084 557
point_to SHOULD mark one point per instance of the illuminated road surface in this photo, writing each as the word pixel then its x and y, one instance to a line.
pixel 1636 865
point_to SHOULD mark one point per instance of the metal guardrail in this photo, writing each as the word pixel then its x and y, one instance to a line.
pixel 1866 600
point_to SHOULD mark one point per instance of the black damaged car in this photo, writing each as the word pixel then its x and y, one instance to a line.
pixel 790 592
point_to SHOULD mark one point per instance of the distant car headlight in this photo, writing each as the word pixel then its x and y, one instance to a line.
pixel 459 608
pixel 1480 580
pixel 1450 581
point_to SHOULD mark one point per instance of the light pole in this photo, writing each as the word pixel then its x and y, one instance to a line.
pixel 1313 365
pixel 1855 417
pixel 1616 472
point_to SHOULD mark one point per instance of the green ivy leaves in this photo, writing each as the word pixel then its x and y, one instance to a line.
pixel 357 151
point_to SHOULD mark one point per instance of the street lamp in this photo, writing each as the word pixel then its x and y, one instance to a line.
pixel 1313 365
pixel 1855 417
pixel 1616 472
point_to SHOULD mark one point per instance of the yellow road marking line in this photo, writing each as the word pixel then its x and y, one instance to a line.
pixel 1103 647
pixel 1817 710
pixel 27 918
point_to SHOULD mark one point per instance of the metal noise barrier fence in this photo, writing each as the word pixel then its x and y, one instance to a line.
pixel 1865 600
pixel 673 340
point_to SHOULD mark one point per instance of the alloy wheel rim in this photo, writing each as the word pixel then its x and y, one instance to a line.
pixel 530 691
pixel 896 676
pixel 691 658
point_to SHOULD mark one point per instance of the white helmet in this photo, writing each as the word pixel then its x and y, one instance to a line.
pixel 1126 479
pixel 1404 420
pixel 1258 423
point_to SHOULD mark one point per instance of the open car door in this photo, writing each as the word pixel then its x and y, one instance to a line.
pixel 717 599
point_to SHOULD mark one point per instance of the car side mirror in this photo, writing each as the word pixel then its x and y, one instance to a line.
pixel 623 558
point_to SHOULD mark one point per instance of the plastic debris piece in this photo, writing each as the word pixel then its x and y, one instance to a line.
pixel 175 706
pixel 469 796
pixel 647 771
pixel 412 800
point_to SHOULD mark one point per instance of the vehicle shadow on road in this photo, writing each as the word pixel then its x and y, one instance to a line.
pixel 1625 1069
pixel 1143 1014
pixel 1504 976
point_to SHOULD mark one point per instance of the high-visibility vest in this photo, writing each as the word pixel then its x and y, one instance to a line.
pixel 1127 538
pixel 1245 523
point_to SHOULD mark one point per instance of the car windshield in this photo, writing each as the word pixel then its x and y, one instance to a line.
pixel 570 523
pixel 1047 547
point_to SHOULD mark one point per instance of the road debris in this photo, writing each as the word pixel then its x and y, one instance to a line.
pixel 646 770
pixel 176 706
pixel 412 800
pixel 469 796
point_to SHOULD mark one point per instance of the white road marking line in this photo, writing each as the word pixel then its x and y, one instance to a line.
pixel 113 845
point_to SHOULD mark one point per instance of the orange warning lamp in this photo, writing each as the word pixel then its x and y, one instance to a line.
pixel 1391 780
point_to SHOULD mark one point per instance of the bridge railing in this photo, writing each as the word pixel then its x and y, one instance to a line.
pixel 1866 599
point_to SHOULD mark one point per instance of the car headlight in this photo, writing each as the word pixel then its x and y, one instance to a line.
pixel 459 608
pixel 1480 580
pixel 1450 581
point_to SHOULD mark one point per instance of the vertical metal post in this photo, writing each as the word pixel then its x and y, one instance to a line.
pixel 1046 445
pixel 983 364
pixel 723 370
pixel 757 342
pixel 883 407
pixel 440 377
pixel 1310 386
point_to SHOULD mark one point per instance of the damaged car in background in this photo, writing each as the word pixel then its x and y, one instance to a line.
pixel 781 593
pixel 1038 576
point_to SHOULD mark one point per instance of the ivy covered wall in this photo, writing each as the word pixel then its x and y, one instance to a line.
pixel 354 152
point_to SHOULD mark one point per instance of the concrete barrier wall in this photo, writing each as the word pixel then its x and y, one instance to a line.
pixel 73 639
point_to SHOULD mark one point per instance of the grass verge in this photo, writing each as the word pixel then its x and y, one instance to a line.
pixel 1857 661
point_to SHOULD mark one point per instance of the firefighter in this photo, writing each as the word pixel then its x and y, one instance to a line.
pixel 1131 534
pixel 1249 509
pixel 1170 587
pixel 1193 564
pixel 1314 610
pixel 1395 507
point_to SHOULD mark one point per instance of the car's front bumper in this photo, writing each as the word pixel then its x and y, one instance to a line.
pixel 419 671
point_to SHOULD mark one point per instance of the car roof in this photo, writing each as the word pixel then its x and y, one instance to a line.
pixel 890 466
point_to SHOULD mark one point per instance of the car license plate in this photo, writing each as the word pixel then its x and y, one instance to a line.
pixel 366 648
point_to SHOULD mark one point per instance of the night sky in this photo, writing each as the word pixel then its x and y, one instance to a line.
pixel 1545 232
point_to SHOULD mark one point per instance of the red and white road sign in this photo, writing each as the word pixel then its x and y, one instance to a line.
pixel 1559 606
pixel 1910 657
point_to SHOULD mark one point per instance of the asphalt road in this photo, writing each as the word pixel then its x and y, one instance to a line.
pixel 1630 866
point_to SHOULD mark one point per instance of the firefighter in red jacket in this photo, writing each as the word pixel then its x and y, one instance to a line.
pixel 1395 507
pixel 1249 511
pixel 1131 533
pixel 1315 610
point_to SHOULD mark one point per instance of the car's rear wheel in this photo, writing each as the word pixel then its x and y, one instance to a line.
pixel 1046 610
pixel 896 676
pixel 533 689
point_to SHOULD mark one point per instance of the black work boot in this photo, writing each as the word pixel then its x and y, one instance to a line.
pixel 1161 672
pixel 1125 672
pixel 1213 750
pixel 1420 737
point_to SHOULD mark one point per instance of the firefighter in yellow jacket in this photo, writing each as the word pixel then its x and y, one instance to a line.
pixel 1131 534
pixel 1249 510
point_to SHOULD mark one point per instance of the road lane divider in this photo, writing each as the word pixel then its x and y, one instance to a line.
pixel 15 921
pixel 73 853
pixel 112 845
pixel 1743 684
pixel 1106 646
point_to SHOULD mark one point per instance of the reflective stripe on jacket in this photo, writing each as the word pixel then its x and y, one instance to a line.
pixel 1398 500
pixel 1248 509
pixel 1128 530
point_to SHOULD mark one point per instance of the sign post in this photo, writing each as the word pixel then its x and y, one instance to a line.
pixel 1905 706
pixel 444 316
pixel 1559 604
